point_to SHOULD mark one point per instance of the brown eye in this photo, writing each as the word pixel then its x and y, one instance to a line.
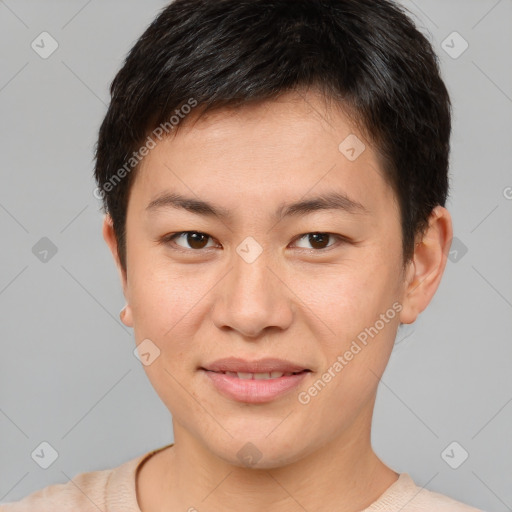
pixel 194 239
pixel 318 241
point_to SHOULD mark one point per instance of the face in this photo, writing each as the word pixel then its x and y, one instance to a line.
pixel 234 269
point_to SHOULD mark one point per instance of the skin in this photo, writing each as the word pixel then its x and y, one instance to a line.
pixel 296 301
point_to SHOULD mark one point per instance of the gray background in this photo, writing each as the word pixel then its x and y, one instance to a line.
pixel 68 375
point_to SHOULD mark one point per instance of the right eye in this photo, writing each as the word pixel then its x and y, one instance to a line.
pixel 195 240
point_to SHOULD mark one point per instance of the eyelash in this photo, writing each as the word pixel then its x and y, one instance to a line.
pixel 169 240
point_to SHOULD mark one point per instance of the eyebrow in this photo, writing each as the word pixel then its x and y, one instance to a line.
pixel 327 201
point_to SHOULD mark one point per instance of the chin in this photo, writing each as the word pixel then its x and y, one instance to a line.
pixel 260 452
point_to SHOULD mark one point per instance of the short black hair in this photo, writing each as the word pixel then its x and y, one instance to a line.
pixel 367 55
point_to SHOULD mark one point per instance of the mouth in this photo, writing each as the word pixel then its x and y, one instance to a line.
pixel 257 376
pixel 256 381
pixel 261 369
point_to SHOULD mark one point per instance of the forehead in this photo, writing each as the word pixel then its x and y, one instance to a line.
pixel 296 146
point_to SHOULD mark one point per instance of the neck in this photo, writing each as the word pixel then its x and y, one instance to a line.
pixel 344 475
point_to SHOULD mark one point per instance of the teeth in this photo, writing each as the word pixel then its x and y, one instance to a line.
pixel 258 376
pixel 262 376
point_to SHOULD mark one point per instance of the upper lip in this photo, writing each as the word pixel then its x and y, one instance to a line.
pixel 235 364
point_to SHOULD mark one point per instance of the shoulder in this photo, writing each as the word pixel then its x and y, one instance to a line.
pixel 406 496
pixel 86 491
pixel 425 500
pixel 107 490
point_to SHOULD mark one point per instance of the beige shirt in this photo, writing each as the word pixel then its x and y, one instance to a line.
pixel 113 490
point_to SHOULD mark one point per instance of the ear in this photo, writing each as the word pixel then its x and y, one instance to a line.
pixel 111 240
pixel 424 272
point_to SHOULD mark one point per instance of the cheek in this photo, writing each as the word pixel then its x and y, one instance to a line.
pixel 160 296
pixel 346 299
pixel 356 355
pixel 163 302
pixel 171 305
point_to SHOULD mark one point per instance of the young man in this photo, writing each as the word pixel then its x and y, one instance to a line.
pixel 274 174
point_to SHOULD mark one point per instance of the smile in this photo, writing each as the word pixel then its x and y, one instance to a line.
pixel 259 376
pixel 254 388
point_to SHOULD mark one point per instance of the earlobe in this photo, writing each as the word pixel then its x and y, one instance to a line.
pixel 126 316
pixel 425 271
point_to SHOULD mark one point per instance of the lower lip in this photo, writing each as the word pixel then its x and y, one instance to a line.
pixel 254 391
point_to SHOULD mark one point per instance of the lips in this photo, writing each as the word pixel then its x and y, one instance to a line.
pixel 254 369
pixel 254 381
pixel 259 375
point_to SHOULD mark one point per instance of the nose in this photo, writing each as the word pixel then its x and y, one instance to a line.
pixel 252 299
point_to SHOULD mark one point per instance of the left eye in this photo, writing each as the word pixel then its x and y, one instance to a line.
pixel 318 241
